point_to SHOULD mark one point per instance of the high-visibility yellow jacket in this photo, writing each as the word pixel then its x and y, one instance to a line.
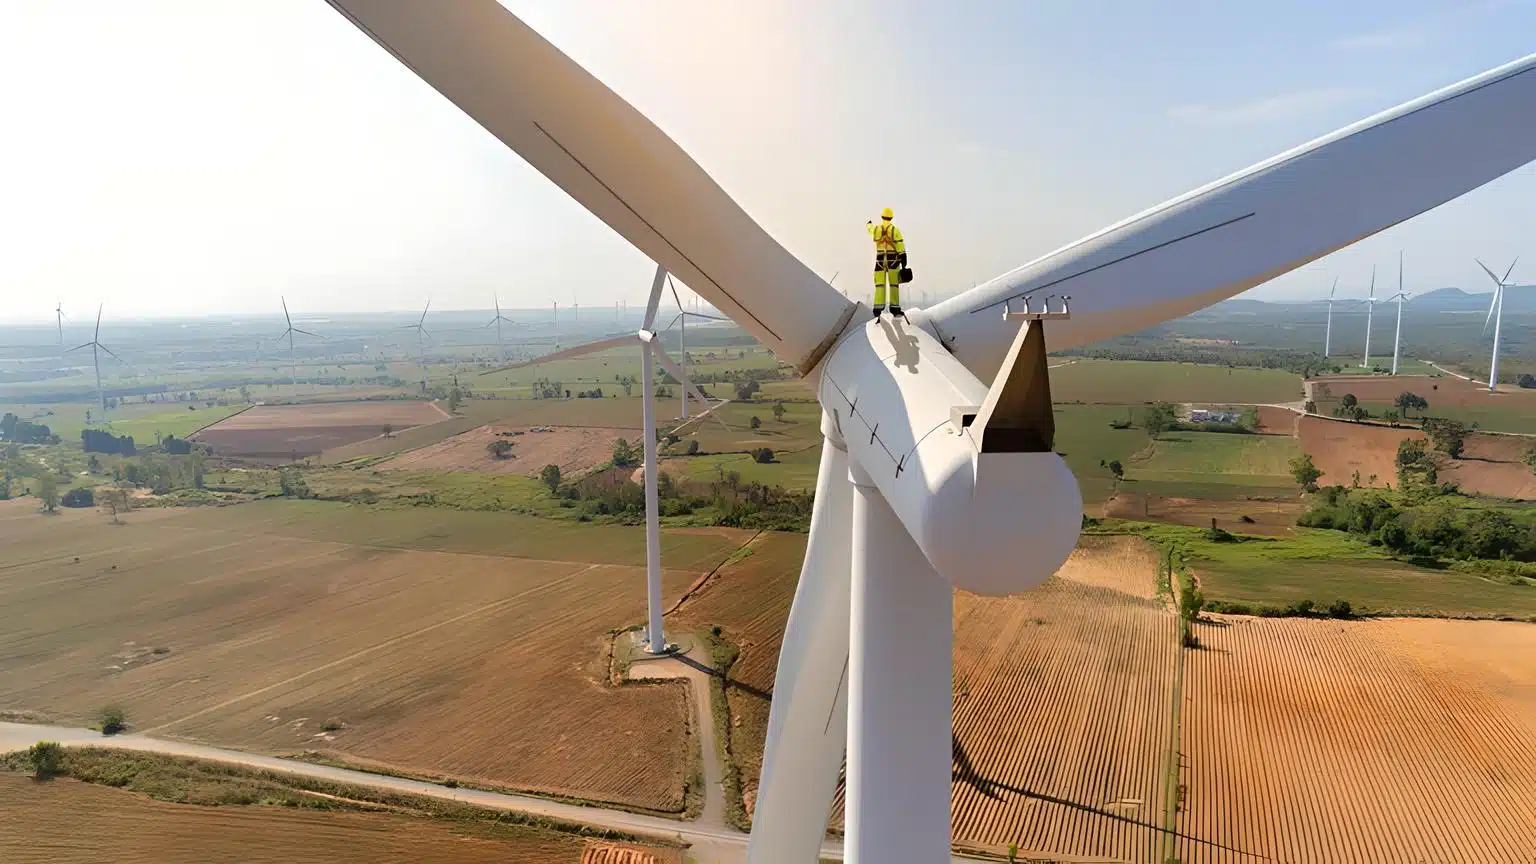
pixel 887 237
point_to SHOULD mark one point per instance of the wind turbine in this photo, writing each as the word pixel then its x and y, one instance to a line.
pixel 293 361
pixel 59 312
pixel 681 320
pixel 421 340
pixel 1370 306
pixel 497 321
pixel 1328 331
pixel 1400 296
pixel 937 470
pixel 1496 313
pixel 96 347
pixel 650 350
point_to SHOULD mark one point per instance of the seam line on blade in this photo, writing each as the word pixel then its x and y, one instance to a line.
pixel 1165 243
pixel 1245 175
pixel 841 679
pixel 653 229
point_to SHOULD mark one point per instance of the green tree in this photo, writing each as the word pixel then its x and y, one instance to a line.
pixel 745 388
pixel 1349 401
pixel 623 454
pixel 1116 469
pixel 1530 457
pixel 755 423
pixel 1309 406
pixel 47 758
pixel 48 491
pixel 1249 418
pixel 1391 416
pixel 1449 436
pixel 1304 472
pixel 1157 419
pixel 455 399
pixel 693 449
pixel 549 475
pixel 778 411
pixel 111 720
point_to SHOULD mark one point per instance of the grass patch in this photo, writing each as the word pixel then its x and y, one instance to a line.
pixel 1324 567
pixel 1138 382
pixel 723 655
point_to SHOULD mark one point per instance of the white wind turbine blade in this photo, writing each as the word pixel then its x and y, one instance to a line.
pixel 676 371
pixel 564 354
pixel 1334 289
pixel 613 161
pixel 1246 229
pixel 654 300
pixel 1511 269
pixel 707 412
pixel 1498 288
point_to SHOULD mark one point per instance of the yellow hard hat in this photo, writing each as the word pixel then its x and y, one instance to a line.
pixel 887 213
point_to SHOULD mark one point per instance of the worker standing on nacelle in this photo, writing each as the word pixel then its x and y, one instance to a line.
pixel 890 261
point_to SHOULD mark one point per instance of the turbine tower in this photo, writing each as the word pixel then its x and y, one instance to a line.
pixel 59 313
pixel 1400 296
pixel 421 341
pixel 937 470
pixel 96 347
pixel 1496 314
pixel 293 362
pixel 496 321
pixel 1370 306
pixel 650 351
pixel 1328 331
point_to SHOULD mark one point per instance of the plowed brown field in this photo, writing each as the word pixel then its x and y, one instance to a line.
pixel 1389 740
pixel 1087 659
pixel 1492 464
pixel 607 853
pixel 68 822
pixel 226 629
pixel 575 449
pixel 283 432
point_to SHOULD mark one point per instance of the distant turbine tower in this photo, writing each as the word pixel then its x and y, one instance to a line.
pixel 1496 314
pixel 96 346
pixel 59 312
pixel 293 362
pixel 421 341
pixel 1400 296
pixel 497 321
pixel 1370 306
pixel 1328 331
pixel 555 324
pixel 650 352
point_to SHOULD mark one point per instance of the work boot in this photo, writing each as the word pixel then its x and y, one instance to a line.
pixel 896 311
pixel 878 310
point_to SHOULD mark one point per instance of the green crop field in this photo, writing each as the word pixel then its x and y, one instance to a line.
pixel 1323 566
pixel 66 419
pixel 1084 438
pixel 1136 382
pixel 1518 416
pixel 1181 462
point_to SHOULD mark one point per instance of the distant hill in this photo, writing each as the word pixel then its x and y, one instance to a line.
pixel 1454 300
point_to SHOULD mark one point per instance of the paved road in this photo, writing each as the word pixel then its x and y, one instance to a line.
pixel 695 668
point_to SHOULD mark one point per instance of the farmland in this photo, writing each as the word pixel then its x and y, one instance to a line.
pixel 1127 382
pixel 141 421
pixel 1248 465
pixel 432 642
pixel 45 824
pixel 1492 464
pixel 1095 643
pixel 1358 741
pixel 284 432
pixel 575 450
pixel 1511 409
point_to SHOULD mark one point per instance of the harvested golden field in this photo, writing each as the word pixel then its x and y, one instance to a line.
pixel 68 822
pixel 1064 698
pixel 284 432
pixel 242 627
pixel 576 449
pixel 1386 740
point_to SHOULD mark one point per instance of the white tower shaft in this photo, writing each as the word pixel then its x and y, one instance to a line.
pixel 1397 340
pixel 900 693
pixel 653 631
pixel 1328 333
pixel 1498 320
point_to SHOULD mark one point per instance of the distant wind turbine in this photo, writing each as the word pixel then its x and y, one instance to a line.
pixel 1328 331
pixel 1370 307
pixel 60 313
pixel 1400 296
pixel 1496 315
pixel 497 321
pixel 421 340
pixel 681 320
pixel 293 362
pixel 96 347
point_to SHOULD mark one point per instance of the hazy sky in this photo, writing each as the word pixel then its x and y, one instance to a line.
pixel 185 158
